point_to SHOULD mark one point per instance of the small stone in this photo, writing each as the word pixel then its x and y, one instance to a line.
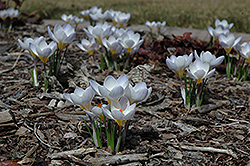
pixel 70 135
pixel 22 131
pixel 52 103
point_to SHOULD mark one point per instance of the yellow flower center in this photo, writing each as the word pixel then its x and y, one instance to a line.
pixel 248 60
pixel 198 80
pixel 44 59
pixel 91 52
pixel 179 73
pixel 61 45
pixel 228 50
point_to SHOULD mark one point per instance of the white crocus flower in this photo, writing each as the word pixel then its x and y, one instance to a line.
pixel 121 111
pixel 245 51
pixel 67 18
pixel 130 40
pixel 95 9
pixel 138 93
pixel 77 20
pixel 97 111
pixel 112 13
pixel 112 44
pixel 112 89
pixel 43 50
pixel 88 45
pixel 4 14
pixel 160 25
pixel 119 32
pixel 122 18
pixel 208 57
pixel 26 43
pixel 199 71
pixel 228 42
pixel 62 35
pixel 81 98
pixel 85 13
pixel 150 25
pixel 12 13
pixel 99 31
pixel 217 32
pixel 99 16
pixel 178 64
pixel 223 23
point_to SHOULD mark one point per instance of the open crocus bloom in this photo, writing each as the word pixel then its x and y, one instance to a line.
pixel 223 23
pixel 4 14
pixel 99 31
pixel 122 18
pixel 62 35
pixel 43 50
pixel 88 45
pixel 112 89
pixel 78 20
pixel 228 42
pixel 12 13
pixel 81 97
pixel 99 16
pixel 138 93
pixel 66 18
pixel 207 57
pixel 160 25
pixel 150 25
pixel 97 111
pixel 198 71
pixel 112 44
pixel 26 43
pixel 245 51
pixel 217 31
pixel 121 111
pixel 178 64
pixel 129 40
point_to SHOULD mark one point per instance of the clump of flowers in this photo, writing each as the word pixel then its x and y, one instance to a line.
pixel 193 89
pixel 235 66
pixel 10 13
pixel 160 27
pixel 118 44
pixel 114 116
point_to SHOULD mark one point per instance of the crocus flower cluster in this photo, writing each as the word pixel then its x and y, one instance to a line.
pixel 115 41
pixel 198 71
pixel 96 14
pixel 160 26
pixel 121 97
pixel 70 18
pixel 234 66
pixel 38 47
pixel 10 12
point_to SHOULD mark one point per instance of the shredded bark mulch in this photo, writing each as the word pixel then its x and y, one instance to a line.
pixel 40 128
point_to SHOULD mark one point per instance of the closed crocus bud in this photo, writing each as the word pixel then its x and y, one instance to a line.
pixel 62 35
pixel 199 71
pixel 112 89
pixel 97 111
pixel 178 64
pixel 81 98
pixel 208 57
pixel 138 93
pixel 121 111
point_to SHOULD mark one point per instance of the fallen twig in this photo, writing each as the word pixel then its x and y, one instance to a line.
pixel 50 146
pixel 7 70
pixel 210 149
pixel 77 152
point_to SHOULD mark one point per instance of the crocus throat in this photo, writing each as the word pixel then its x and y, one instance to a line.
pixel 100 105
pixel 198 80
pixel 248 60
